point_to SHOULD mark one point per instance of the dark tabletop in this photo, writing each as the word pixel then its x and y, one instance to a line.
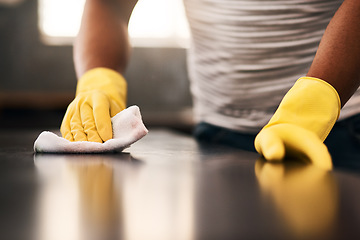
pixel 169 187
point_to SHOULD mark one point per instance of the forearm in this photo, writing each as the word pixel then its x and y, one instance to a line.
pixel 103 40
pixel 337 60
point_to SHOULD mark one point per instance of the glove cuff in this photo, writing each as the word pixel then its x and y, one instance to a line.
pixel 112 83
pixel 312 104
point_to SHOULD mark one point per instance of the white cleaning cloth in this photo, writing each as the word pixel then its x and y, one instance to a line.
pixel 127 129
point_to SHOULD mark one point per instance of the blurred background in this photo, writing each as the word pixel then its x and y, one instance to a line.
pixel 37 77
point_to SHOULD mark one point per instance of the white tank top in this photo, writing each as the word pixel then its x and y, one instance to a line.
pixel 245 56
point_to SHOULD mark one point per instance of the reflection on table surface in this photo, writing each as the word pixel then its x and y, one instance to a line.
pixel 305 195
pixel 112 197
pixel 167 186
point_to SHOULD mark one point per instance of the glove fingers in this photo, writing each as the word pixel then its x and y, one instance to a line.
pixel 270 145
pixel 88 122
pixel 303 144
pixel 115 108
pixel 76 126
pixel 65 128
pixel 322 158
pixel 102 117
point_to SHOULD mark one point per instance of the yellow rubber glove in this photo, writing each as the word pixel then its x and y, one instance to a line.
pixel 100 95
pixel 299 126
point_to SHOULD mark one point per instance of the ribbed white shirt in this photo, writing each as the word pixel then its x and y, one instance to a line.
pixel 245 55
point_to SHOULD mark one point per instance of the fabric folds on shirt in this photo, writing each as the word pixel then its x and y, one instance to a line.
pixel 246 54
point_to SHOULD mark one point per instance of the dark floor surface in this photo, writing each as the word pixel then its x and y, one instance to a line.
pixel 168 187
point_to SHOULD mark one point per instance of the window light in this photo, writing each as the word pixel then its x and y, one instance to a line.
pixel 154 23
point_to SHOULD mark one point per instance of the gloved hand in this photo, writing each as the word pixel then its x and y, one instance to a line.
pixel 100 95
pixel 299 126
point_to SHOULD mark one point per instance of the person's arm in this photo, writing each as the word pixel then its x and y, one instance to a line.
pixel 310 109
pixel 103 40
pixel 337 60
pixel 101 53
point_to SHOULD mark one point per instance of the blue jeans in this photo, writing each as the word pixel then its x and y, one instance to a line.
pixel 205 132
pixel 343 141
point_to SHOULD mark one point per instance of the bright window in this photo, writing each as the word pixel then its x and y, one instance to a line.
pixel 154 23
